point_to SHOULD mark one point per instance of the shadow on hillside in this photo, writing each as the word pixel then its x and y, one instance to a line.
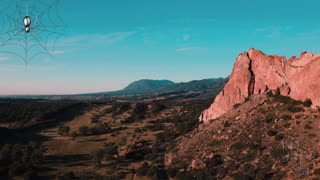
pixel 93 140
pixel 67 160
pixel 50 161
pixel 53 119
pixel 15 136
pixel 30 132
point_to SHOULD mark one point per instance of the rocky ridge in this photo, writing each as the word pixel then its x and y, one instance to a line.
pixel 255 73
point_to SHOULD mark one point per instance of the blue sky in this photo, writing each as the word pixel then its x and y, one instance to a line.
pixel 110 43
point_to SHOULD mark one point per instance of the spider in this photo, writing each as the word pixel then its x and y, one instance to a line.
pixel 27 23
pixel 31 32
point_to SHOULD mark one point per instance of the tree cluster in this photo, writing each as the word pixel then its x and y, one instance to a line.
pixel 21 159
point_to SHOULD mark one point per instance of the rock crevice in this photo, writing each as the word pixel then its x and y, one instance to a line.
pixel 252 79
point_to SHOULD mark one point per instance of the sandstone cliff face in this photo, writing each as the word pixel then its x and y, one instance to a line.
pixel 254 73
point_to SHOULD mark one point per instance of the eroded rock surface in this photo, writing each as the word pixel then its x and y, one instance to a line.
pixel 254 73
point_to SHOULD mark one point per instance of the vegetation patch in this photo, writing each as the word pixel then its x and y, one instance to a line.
pixel 286 117
pixel 236 106
pixel 237 145
pixel 298 116
pixel 270 117
pixel 312 135
pixel 64 130
pixel 287 125
pixel 272 132
pixel 279 137
pixel 295 109
pixel 307 103
pixel 98 129
pixel 157 107
pixel 21 159
pixel 307 126
pixel 215 142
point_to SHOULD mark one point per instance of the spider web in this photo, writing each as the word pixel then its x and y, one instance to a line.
pixel 45 29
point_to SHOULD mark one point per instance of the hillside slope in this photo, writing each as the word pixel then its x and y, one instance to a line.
pixel 268 136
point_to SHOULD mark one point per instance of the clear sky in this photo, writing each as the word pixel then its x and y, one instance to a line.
pixel 110 43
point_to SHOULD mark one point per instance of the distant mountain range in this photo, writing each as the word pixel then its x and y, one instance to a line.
pixel 146 86
pixel 149 87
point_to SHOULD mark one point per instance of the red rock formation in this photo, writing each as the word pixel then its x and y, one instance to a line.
pixel 254 73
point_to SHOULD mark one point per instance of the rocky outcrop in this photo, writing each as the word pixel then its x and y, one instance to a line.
pixel 197 164
pixel 254 73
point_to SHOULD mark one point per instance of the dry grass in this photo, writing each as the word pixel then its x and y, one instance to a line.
pixel 61 148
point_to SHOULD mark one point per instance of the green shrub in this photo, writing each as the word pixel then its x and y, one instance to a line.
pixel 84 130
pixel 17 168
pixel 270 94
pixel 111 149
pixel 236 106
pixel 20 159
pixel 295 109
pixel 307 103
pixel 152 171
pixel 119 109
pixel 270 117
pixel 287 125
pixel 216 160
pixel 222 172
pixel 272 132
pixel 312 135
pixel 100 128
pixel 286 117
pixel 172 172
pixel 185 175
pixel 30 175
pixel 317 171
pixel 277 152
pixel 5 152
pixel 97 157
pixel 123 141
pixel 73 136
pixel 279 137
pixel 248 157
pixel 150 157
pixel 140 110
pixel 287 100
pixel 241 176
pixel 94 120
pixel 215 142
pixel 64 130
pixel 138 130
pixel 155 126
pixel 226 124
pixel 143 169
pixel 158 107
pixel 278 92
pixel 298 116
pixel 237 146
pixel 307 126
